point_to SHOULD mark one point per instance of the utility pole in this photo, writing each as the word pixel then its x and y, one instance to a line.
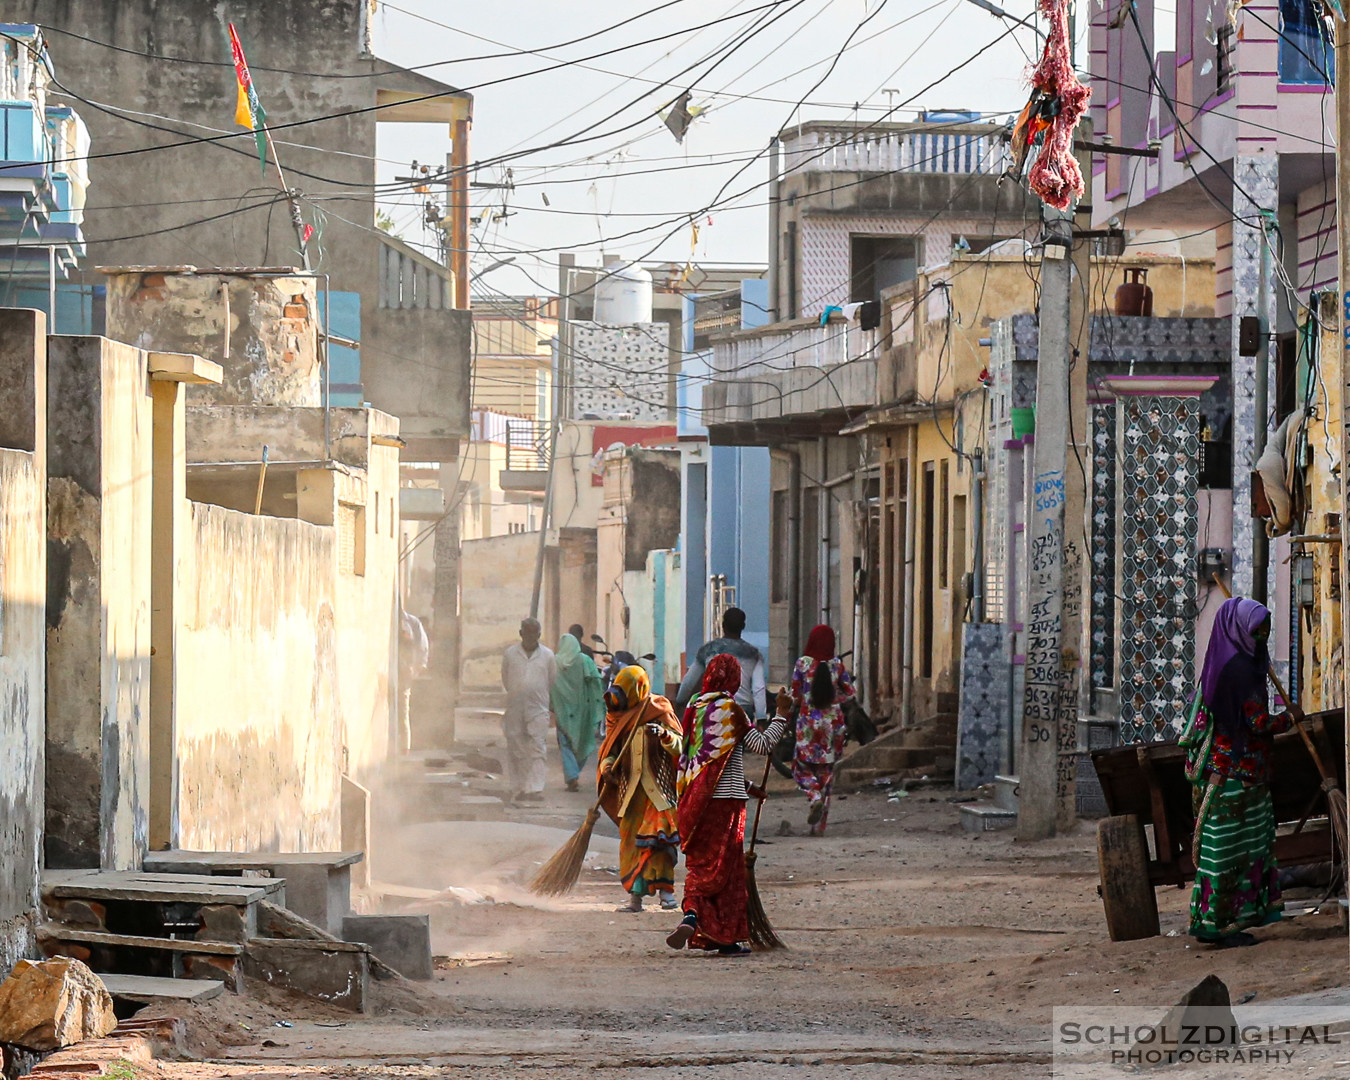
pixel 1343 266
pixel 1054 520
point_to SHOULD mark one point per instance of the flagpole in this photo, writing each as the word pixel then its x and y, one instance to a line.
pixel 291 199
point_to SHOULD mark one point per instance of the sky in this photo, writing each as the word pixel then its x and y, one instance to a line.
pixel 747 73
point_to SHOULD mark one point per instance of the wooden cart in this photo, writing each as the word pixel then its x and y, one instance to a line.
pixel 1146 784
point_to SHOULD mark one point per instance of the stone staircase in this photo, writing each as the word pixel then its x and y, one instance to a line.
pixel 1000 814
pixel 210 919
pixel 926 748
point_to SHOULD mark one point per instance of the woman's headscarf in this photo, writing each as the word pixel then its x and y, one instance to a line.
pixel 1234 635
pixel 569 648
pixel 820 643
pixel 723 674
pixel 631 687
pixel 1232 680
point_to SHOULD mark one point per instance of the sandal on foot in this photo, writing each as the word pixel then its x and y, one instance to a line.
pixel 817 812
pixel 733 950
pixel 1235 941
pixel 679 937
pixel 633 907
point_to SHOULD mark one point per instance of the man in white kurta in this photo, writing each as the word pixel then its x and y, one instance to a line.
pixel 527 676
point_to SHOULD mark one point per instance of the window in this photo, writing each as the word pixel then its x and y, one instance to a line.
pixel 351 538
pixel 780 542
pixel 926 591
pixel 944 532
pixel 1305 48
pixel 1223 57
pixel 878 262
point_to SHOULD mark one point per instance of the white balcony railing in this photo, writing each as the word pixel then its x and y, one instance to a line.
pixel 755 353
pixel 968 148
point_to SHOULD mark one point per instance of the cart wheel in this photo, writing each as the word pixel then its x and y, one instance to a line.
pixel 1131 904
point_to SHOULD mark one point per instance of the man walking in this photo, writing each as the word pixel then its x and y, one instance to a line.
pixel 751 694
pixel 527 676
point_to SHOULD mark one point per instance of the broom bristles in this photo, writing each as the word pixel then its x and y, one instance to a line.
pixel 762 937
pixel 560 873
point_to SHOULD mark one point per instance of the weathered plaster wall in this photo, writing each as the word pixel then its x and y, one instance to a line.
pixel 23 582
pixel 263 331
pixel 260 721
pixel 282 41
pixel 99 427
pixel 496 575
pixel 367 623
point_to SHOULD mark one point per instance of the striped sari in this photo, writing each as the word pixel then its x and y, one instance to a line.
pixel 1236 879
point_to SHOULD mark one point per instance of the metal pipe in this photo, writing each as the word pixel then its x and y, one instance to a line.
pixel 977 537
pixel 548 492
pixel 909 608
pixel 774 227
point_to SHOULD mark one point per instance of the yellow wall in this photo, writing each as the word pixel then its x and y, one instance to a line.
pixel 949 416
pixel 1323 675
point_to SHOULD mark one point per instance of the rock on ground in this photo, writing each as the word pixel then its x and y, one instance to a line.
pixel 54 1003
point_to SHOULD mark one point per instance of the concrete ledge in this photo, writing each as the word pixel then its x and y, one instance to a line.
pixel 401 941
pixel 337 972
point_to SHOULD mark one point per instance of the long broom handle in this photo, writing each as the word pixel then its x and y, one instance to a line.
pixel 759 808
pixel 1270 668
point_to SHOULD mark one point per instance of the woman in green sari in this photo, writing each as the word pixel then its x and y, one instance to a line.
pixel 1230 746
pixel 578 700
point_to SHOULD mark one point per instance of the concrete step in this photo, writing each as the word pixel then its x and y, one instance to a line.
pixel 982 817
pixel 146 990
pixel 1005 792
pixel 138 954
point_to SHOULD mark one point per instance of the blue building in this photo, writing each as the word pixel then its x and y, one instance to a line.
pixel 726 489
pixel 43 180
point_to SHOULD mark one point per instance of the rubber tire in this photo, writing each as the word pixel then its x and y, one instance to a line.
pixel 782 757
pixel 1127 895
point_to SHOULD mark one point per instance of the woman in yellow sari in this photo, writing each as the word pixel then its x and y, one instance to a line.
pixel 636 782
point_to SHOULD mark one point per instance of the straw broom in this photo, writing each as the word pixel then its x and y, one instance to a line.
pixel 762 937
pixel 1336 803
pixel 557 876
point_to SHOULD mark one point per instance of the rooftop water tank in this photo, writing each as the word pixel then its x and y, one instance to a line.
pixel 623 295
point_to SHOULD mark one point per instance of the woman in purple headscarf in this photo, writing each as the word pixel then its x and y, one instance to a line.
pixel 1229 742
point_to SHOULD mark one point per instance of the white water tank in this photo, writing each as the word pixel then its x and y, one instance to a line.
pixel 623 295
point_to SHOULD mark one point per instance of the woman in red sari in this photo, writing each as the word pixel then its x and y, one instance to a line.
pixel 713 793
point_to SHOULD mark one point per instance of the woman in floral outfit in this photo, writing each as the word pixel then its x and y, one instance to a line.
pixel 1230 741
pixel 820 684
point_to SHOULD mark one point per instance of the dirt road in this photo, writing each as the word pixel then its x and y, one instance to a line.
pixel 917 950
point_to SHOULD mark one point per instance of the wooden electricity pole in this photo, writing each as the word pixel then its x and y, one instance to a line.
pixel 1052 611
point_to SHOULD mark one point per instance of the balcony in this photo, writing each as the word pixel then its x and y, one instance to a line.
pixel 527 459
pixel 790 380
pixel 887 148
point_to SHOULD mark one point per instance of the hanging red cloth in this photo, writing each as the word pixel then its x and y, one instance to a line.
pixel 1062 99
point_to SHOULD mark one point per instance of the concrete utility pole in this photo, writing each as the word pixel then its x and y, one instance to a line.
pixel 1343 265
pixel 1054 527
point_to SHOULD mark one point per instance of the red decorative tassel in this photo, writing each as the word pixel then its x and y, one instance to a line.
pixel 1055 175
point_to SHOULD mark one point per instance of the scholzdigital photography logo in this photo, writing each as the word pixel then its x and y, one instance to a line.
pixel 1310 1042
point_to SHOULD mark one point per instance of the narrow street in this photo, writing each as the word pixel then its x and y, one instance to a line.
pixel 912 944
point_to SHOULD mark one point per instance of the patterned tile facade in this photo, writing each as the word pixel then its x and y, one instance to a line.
pixel 983 719
pixel 1160 448
pixel 620 371
pixel 1256 187
pixel 826 249
pixel 1102 661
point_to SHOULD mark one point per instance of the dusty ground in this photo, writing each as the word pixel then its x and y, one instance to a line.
pixel 917 950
